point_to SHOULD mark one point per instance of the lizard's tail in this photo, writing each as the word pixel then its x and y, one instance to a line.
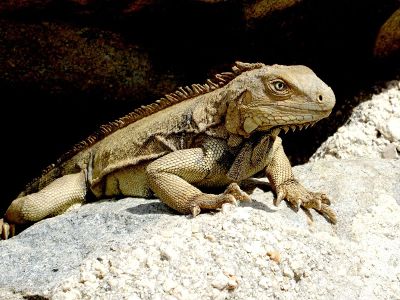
pixel 51 173
pixel 48 175
pixel 63 166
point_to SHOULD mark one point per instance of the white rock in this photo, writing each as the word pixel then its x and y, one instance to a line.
pixel 390 151
pixel 220 282
pixel 195 228
pixel 87 276
pixel 133 297
pixel 169 284
pixel 288 272
pixel 100 268
pixel 242 213
pixel 228 208
pixel 168 252
pixel 70 295
pixel 393 129
pixel 140 255
pixel 182 293
pixel 264 283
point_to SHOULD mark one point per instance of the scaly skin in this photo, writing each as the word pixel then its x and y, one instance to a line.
pixel 212 135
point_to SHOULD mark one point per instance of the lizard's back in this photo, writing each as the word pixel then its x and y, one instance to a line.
pixel 130 149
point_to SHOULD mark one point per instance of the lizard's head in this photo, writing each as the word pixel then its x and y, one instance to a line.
pixel 277 97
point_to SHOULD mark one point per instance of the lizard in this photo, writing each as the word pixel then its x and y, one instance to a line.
pixel 202 136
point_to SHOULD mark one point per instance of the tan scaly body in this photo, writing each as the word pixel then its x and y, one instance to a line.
pixel 210 135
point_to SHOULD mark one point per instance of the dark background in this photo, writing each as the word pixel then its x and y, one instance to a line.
pixel 69 66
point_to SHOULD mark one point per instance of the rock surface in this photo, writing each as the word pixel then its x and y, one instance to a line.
pixel 373 129
pixel 139 249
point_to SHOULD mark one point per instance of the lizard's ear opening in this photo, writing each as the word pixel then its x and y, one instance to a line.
pixel 234 119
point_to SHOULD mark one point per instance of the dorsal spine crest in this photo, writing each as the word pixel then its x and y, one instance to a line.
pixel 181 94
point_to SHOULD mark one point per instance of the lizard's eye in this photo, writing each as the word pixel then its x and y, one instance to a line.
pixel 279 85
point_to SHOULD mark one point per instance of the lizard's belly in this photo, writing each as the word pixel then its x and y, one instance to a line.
pixel 219 175
pixel 130 181
pixel 220 180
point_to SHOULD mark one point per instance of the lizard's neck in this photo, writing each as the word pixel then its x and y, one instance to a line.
pixel 209 113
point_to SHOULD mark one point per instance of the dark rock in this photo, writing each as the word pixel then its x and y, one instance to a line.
pixel 57 58
pixel 256 9
pixel 388 40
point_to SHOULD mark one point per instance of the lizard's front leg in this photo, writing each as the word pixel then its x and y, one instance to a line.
pixel 171 178
pixel 280 175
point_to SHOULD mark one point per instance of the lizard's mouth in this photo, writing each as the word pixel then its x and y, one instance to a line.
pixel 277 129
pixel 293 127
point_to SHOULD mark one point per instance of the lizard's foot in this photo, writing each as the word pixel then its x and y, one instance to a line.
pixel 232 194
pixel 6 230
pixel 298 196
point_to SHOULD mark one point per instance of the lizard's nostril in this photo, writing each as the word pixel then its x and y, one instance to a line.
pixel 320 98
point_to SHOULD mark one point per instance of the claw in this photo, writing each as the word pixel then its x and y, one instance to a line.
pixel 328 213
pixel 298 204
pixel 313 203
pixel 232 195
pixel 195 210
pixel 279 198
pixel 4 229
pixel 12 230
pixel 316 204
pixel 234 190
pixel 325 199
pixel 232 200
pixel 319 204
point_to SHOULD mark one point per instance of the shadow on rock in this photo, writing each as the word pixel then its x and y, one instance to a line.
pixel 151 208
pixel 258 205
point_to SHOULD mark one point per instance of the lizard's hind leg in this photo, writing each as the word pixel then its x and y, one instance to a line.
pixel 52 200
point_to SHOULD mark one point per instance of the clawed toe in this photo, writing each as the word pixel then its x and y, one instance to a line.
pixel 234 190
pixel 312 202
pixel 232 195
pixel 208 201
pixel 328 213
pixel 325 199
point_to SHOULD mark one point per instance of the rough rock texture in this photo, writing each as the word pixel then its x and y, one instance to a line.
pixel 138 249
pixel 373 130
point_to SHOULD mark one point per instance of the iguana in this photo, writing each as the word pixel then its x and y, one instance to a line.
pixel 212 135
